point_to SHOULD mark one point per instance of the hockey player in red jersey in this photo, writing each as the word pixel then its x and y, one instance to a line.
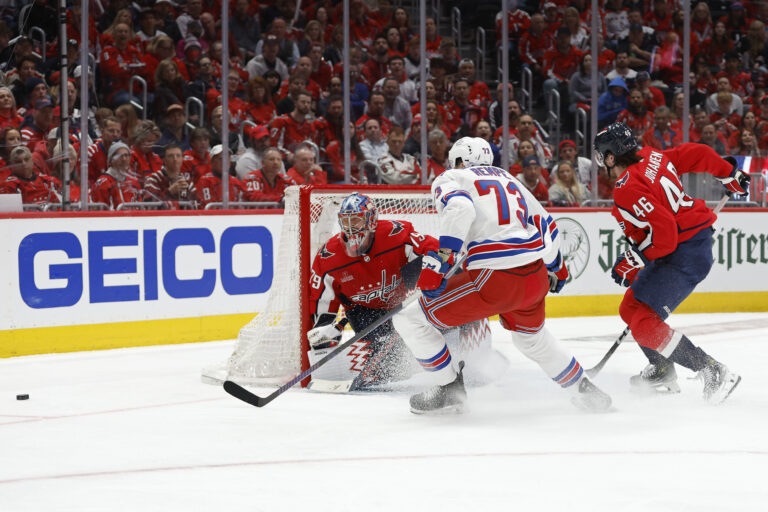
pixel 513 261
pixel 670 238
pixel 368 268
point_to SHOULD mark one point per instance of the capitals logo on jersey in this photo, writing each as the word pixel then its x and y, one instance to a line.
pixel 384 292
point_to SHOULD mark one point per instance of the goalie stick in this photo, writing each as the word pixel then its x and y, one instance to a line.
pixel 239 392
pixel 599 366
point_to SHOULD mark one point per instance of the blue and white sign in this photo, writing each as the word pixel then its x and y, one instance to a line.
pixel 85 270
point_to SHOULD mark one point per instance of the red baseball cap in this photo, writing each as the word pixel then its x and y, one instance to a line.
pixel 566 142
pixel 256 132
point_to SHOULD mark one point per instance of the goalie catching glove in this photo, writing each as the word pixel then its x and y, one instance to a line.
pixel 558 274
pixel 326 333
pixel 627 266
pixel 738 181
pixel 434 266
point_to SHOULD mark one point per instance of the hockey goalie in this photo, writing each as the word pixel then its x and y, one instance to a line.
pixel 368 268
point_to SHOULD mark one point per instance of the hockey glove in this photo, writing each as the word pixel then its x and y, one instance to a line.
pixel 738 181
pixel 558 274
pixel 324 336
pixel 432 280
pixel 627 265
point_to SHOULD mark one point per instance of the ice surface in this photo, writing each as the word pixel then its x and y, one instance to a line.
pixel 134 429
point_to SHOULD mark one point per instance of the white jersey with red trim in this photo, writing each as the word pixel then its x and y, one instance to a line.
pixel 488 212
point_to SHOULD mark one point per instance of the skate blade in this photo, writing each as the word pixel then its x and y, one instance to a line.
pixel 451 409
pixel 592 404
pixel 728 387
pixel 669 388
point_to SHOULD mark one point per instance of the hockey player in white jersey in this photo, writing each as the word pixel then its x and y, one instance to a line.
pixel 513 260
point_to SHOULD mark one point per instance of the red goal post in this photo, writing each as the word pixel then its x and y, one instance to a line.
pixel 272 348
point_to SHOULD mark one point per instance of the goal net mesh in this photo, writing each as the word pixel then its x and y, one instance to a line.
pixel 269 348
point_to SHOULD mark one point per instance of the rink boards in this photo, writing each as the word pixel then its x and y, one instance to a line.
pixel 105 280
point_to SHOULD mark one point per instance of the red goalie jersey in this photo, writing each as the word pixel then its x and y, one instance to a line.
pixel 373 280
pixel 650 204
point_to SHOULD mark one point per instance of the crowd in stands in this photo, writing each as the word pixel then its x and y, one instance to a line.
pixel 285 84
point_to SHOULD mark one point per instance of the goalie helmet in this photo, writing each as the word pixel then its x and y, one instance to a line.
pixel 357 219
pixel 615 139
pixel 469 151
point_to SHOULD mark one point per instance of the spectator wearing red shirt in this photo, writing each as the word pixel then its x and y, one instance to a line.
pixel 328 128
pixel 652 96
pixel 659 18
pixel 209 187
pixel 741 82
pixel 636 115
pixel 322 71
pixel 267 184
pixel 433 38
pixel 464 113
pixel 35 128
pixel 43 152
pixel 144 160
pixel 115 186
pixel 479 94
pixel 197 160
pixel 302 69
pixel 8 114
pixel 290 130
pixel 534 44
pixel 111 131
pixel 260 109
pixel 305 170
pixel 531 178
pixel 119 63
pixel 377 65
pixel 661 137
pixel 34 188
pixel 363 28
pixel 560 63
pixel 376 104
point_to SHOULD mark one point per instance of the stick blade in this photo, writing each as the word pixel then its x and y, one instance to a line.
pixel 239 392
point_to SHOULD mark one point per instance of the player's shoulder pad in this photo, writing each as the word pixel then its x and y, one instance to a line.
pixel 394 228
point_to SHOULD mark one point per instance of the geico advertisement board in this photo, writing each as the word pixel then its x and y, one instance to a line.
pixel 591 242
pixel 88 270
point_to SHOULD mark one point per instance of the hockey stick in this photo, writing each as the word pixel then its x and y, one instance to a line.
pixel 599 366
pixel 239 392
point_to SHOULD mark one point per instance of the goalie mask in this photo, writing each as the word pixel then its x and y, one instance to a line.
pixel 357 219
pixel 469 151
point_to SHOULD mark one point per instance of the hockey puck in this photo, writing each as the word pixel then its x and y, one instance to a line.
pixel 22 397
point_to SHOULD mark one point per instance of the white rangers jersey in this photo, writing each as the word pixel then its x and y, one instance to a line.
pixel 490 214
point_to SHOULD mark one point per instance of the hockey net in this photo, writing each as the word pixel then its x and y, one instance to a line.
pixel 272 348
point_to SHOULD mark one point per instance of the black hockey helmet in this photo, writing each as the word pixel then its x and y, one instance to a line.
pixel 616 139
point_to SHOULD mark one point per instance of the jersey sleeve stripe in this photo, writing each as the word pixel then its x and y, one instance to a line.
pixel 455 193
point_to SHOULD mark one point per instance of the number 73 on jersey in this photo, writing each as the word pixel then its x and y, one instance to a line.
pixel 508 199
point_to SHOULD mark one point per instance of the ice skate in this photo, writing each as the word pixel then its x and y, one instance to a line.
pixel 719 382
pixel 590 398
pixel 441 399
pixel 661 378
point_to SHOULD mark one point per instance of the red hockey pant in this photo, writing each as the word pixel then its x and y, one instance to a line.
pixel 516 295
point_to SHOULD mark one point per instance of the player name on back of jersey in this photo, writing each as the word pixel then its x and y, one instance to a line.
pixel 490 171
pixel 652 169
